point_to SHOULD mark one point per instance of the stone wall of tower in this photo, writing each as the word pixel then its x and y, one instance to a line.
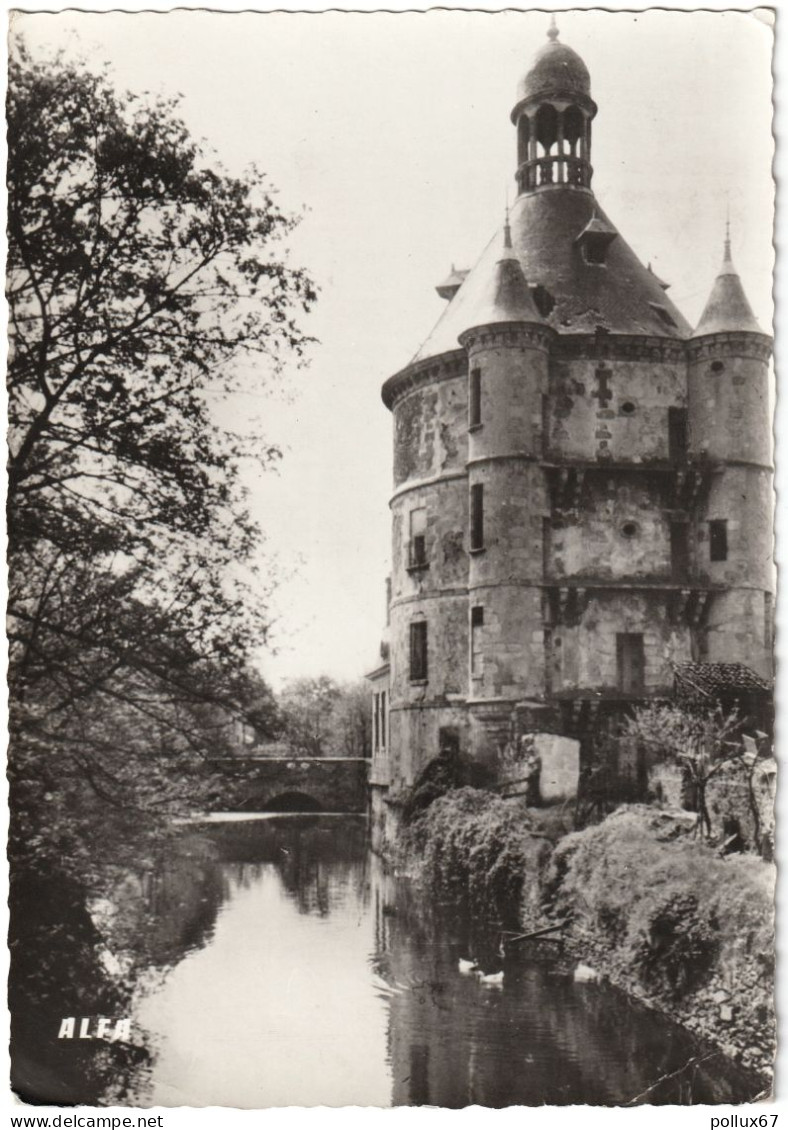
pixel 505 575
pixel 615 406
pixel 430 456
pixel 583 451
pixel 614 422
pixel 620 528
pixel 728 398
pixel 583 656
pixel 729 427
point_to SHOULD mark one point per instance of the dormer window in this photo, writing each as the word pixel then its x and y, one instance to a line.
pixel 543 300
pixel 594 241
pixel 663 314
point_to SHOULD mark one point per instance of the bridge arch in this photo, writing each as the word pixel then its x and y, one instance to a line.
pixel 289 801
pixel 297 784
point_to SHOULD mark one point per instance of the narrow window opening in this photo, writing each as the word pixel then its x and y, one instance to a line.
pixel 475 399
pixel 383 720
pixel 549 660
pixel 717 367
pixel 630 661
pixel 545 425
pixel 417 553
pixel 547 545
pixel 477 516
pixel 477 629
pixel 677 434
pixel 679 550
pixel 627 408
pixel 718 540
pixel 418 651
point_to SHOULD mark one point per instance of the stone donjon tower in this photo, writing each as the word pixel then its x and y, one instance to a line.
pixel 582 483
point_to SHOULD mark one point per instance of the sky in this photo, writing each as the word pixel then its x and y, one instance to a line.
pixel 391 133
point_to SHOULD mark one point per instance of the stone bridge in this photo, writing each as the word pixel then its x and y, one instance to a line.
pixel 297 784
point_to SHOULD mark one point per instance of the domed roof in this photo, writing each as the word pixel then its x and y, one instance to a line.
pixel 556 69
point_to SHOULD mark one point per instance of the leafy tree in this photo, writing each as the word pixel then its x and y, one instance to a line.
pixel 352 721
pixel 307 706
pixel 323 718
pixel 144 285
pixel 702 742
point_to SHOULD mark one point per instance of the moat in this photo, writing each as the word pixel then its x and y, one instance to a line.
pixel 286 968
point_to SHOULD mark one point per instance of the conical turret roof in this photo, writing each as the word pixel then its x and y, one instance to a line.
pixel 504 295
pixel 622 296
pixel 727 310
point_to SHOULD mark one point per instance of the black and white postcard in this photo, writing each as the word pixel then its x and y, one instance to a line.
pixel 391 564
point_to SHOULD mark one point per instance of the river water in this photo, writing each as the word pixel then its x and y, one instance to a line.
pixel 285 968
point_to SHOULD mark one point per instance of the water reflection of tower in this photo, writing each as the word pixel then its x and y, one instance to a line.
pixel 541 1039
pixel 430 1056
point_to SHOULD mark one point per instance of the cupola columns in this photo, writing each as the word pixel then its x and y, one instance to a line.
pixel 553 118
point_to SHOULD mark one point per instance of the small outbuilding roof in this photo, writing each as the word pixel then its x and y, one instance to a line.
pixel 714 679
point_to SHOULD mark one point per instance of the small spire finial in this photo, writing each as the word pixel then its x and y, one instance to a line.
pixel 552 31
pixel 728 232
pixel 507 231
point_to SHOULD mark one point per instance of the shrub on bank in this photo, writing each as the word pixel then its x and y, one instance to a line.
pixel 670 909
pixel 659 912
pixel 472 845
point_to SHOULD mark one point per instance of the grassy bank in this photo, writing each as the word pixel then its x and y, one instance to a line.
pixel 668 918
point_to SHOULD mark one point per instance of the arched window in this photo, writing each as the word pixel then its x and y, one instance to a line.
pixel 546 127
pixel 523 137
pixel 574 127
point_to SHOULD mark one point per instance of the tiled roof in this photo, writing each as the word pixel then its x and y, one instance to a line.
pixel 505 296
pixel 556 69
pixel 713 678
pixel 727 309
pixel 622 296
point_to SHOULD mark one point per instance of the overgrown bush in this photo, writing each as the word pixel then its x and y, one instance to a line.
pixel 472 846
pixel 439 776
pixel 679 947
pixel 672 910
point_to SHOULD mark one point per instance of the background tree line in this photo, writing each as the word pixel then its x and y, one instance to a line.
pixel 319 717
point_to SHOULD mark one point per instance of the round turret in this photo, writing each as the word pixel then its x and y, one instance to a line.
pixel 728 393
pixel 508 349
pixel 728 376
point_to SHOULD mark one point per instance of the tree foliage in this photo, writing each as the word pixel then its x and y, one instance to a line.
pixel 702 742
pixel 324 718
pixel 145 285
